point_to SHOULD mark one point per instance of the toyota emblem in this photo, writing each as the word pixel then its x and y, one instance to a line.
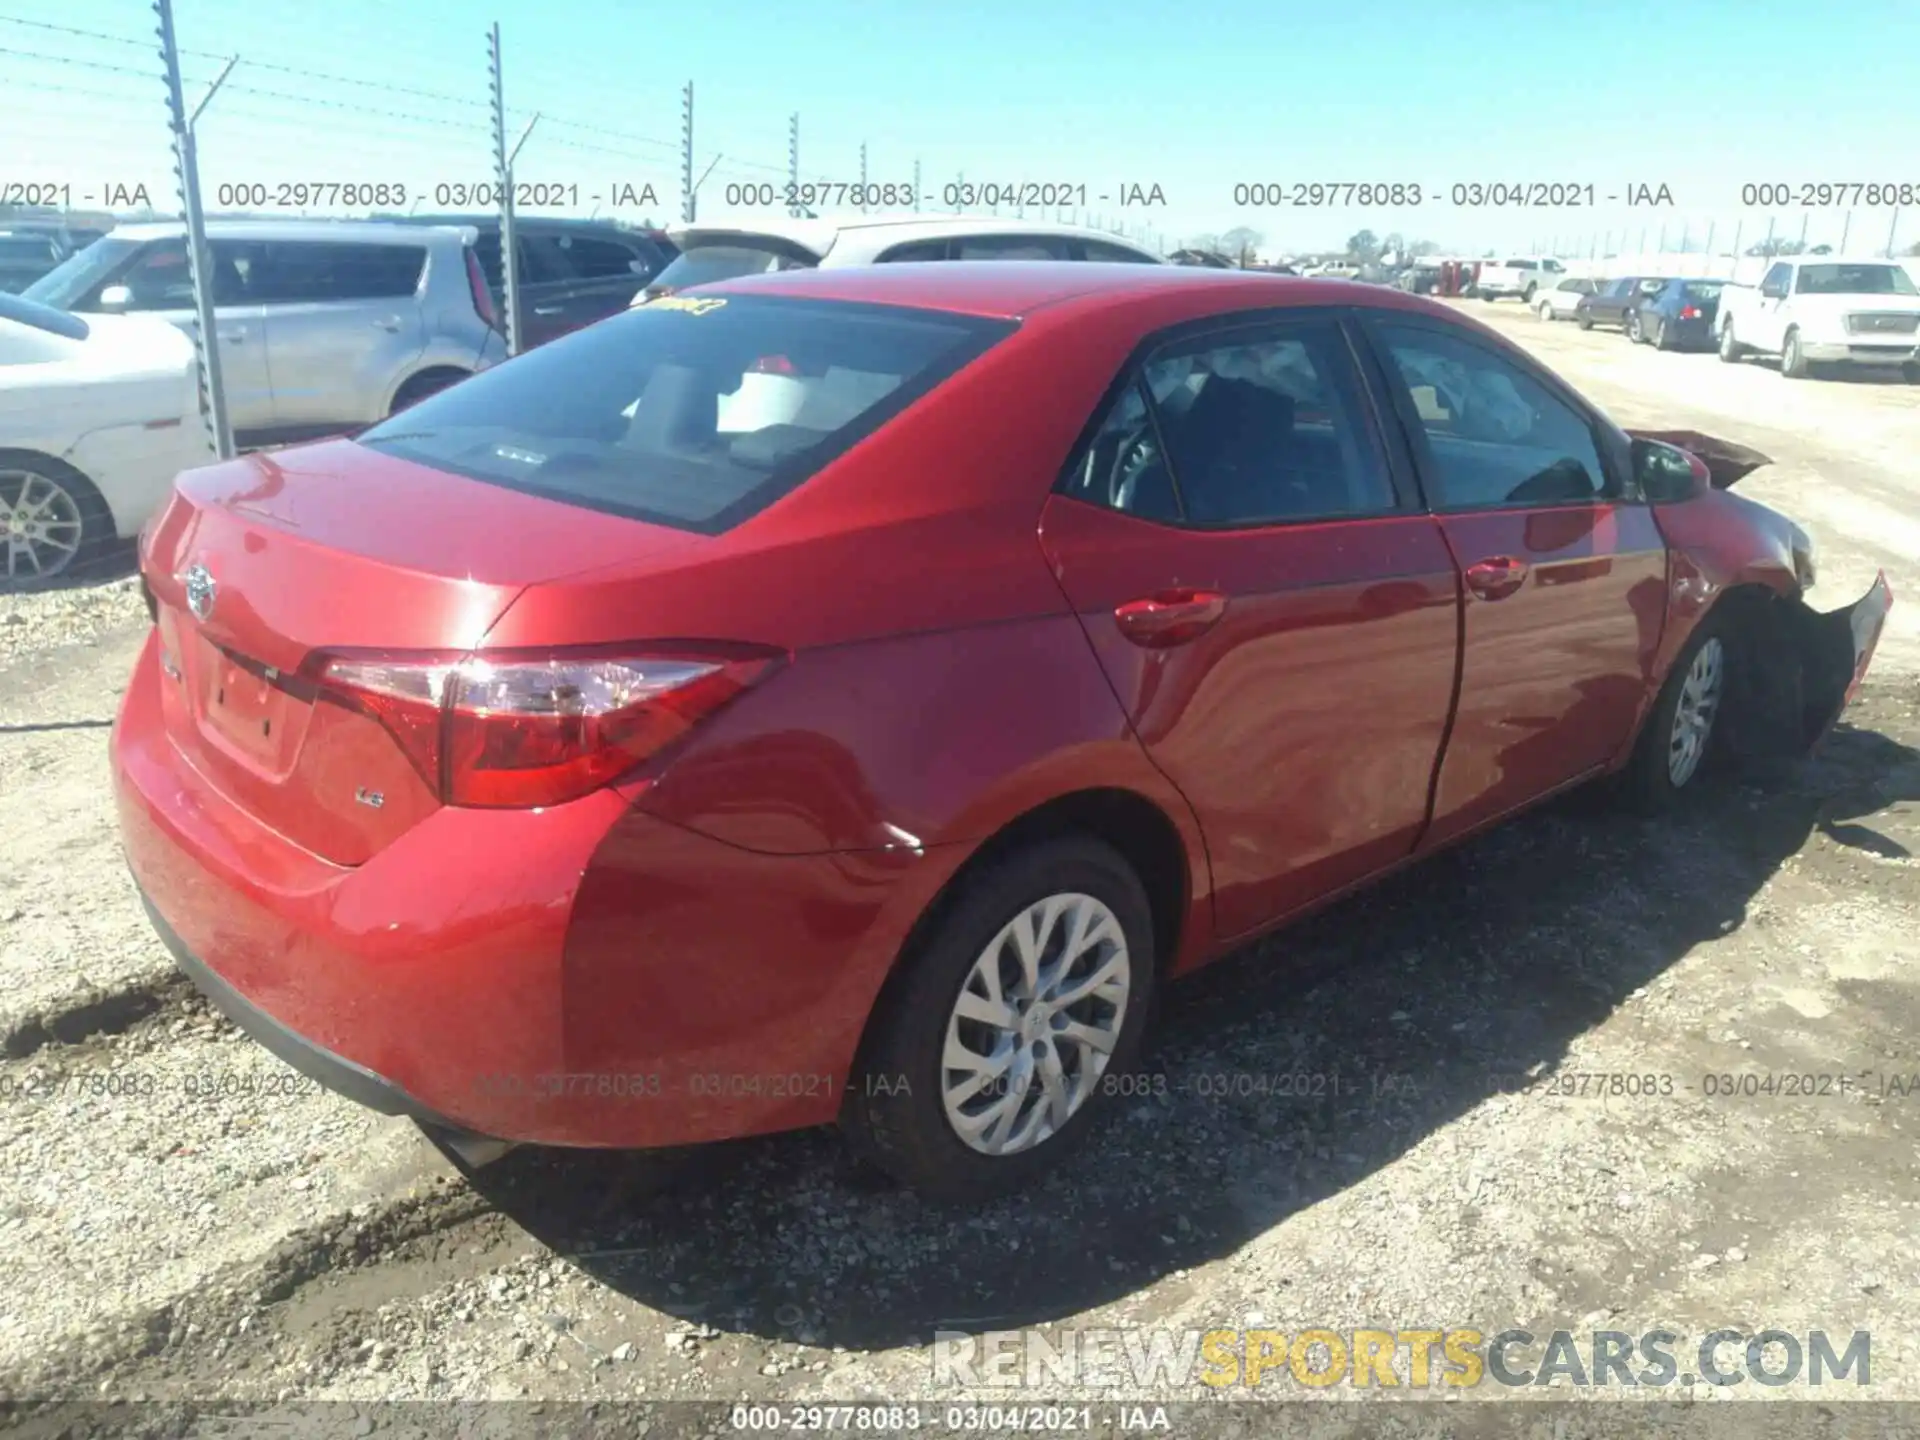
pixel 200 591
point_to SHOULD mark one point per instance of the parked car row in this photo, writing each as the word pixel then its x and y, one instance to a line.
pixel 325 327
pixel 1808 312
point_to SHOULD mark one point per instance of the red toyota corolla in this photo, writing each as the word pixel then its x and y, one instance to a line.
pixel 848 695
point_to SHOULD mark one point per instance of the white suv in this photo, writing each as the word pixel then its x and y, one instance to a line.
pixel 1519 278
pixel 722 251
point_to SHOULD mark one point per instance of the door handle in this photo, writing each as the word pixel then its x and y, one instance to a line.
pixel 1170 617
pixel 233 336
pixel 391 325
pixel 1497 578
pixel 548 309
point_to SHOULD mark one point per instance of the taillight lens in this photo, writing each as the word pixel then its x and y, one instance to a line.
pixel 482 296
pixel 517 730
pixel 1688 312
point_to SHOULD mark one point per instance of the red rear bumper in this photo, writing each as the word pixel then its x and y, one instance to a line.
pixel 583 975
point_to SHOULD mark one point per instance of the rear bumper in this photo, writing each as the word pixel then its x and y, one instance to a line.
pixel 584 975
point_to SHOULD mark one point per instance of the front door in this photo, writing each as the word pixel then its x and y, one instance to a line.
pixel 159 282
pixel 1565 574
pixel 1277 617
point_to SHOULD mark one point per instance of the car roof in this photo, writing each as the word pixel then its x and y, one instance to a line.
pixel 486 220
pixel 1005 290
pixel 370 231
pixel 821 234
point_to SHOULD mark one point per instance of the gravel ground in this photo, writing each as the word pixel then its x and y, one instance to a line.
pixel 181 1216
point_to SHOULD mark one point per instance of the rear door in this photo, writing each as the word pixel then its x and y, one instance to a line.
pixel 1565 570
pixel 1275 613
pixel 344 325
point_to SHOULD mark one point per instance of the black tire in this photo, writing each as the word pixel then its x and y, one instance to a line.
pixel 1662 338
pixel 81 499
pixel 1911 373
pixel 894 1117
pixel 1731 350
pixel 1527 294
pixel 1635 332
pixel 419 387
pixel 1647 784
pixel 1583 320
pixel 1793 360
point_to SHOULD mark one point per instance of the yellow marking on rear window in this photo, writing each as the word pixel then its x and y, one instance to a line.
pixel 690 304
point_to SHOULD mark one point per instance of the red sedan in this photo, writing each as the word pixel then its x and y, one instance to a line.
pixel 849 695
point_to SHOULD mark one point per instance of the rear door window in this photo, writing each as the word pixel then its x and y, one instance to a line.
pixel 159 279
pixel 690 412
pixel 303 272
pixel 1010 247
pixel 1095 250
pixel 919 252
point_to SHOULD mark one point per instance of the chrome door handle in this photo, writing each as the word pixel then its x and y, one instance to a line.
pixel 1497 578
pixel 548 309
pixel 390 325
pixel 235 336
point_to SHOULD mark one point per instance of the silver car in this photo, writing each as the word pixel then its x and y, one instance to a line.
pixel 324 325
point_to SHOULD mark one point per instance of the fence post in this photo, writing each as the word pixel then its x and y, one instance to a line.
pixel 793 161
pixel 1846 229
pixel 1893 230
pixel 213 393
pixel 916 182
pixel 687 207
pixel 863 177
pixel 503 177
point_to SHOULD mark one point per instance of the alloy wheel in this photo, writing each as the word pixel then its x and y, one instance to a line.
pixel 40 525
pixel 1693 715
pixel 1035 1024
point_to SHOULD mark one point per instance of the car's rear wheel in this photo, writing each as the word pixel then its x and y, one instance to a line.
pixel 1677 740
pixel 1016 1014
pixel 1634 331
pixel 1730 349
pixel 1793 357
pixel 419 387
pixel 53 522
pixel 1545 309
pixel 1584 320
pixel 1662 337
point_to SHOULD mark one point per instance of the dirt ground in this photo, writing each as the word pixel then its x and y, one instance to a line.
pixel 267 1240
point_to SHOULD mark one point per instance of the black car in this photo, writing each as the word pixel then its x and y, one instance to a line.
pixel 1611 305
pixel 571 272
pixel 1678 316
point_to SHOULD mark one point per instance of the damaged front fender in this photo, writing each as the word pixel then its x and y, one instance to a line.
pixel 1804 668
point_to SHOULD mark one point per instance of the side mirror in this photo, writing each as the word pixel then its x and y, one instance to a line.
pixel 115 298
pixel 1666 474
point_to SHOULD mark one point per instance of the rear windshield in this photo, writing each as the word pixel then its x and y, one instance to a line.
pixel 692 411
pixel 705 263
pixel 1703 289
pixel 1856 280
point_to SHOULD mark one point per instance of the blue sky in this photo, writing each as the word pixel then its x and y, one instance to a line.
pixel 1699 97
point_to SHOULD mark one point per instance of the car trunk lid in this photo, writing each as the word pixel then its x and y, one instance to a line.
pixel 261 567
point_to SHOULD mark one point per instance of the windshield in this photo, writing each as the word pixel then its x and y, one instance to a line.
pixel 42 317
pixel 694 412
pixel 1704 289
pixel 1855 280
pixel 705 263
pixel 74 278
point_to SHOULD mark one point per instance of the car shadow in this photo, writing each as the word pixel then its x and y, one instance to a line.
pixel 1284 1075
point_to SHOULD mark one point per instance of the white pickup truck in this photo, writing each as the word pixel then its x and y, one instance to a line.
pixel 1818 310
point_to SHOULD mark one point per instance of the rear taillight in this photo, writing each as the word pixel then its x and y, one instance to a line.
pixel 1689 312
pixel 520 729
pixel 482 296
